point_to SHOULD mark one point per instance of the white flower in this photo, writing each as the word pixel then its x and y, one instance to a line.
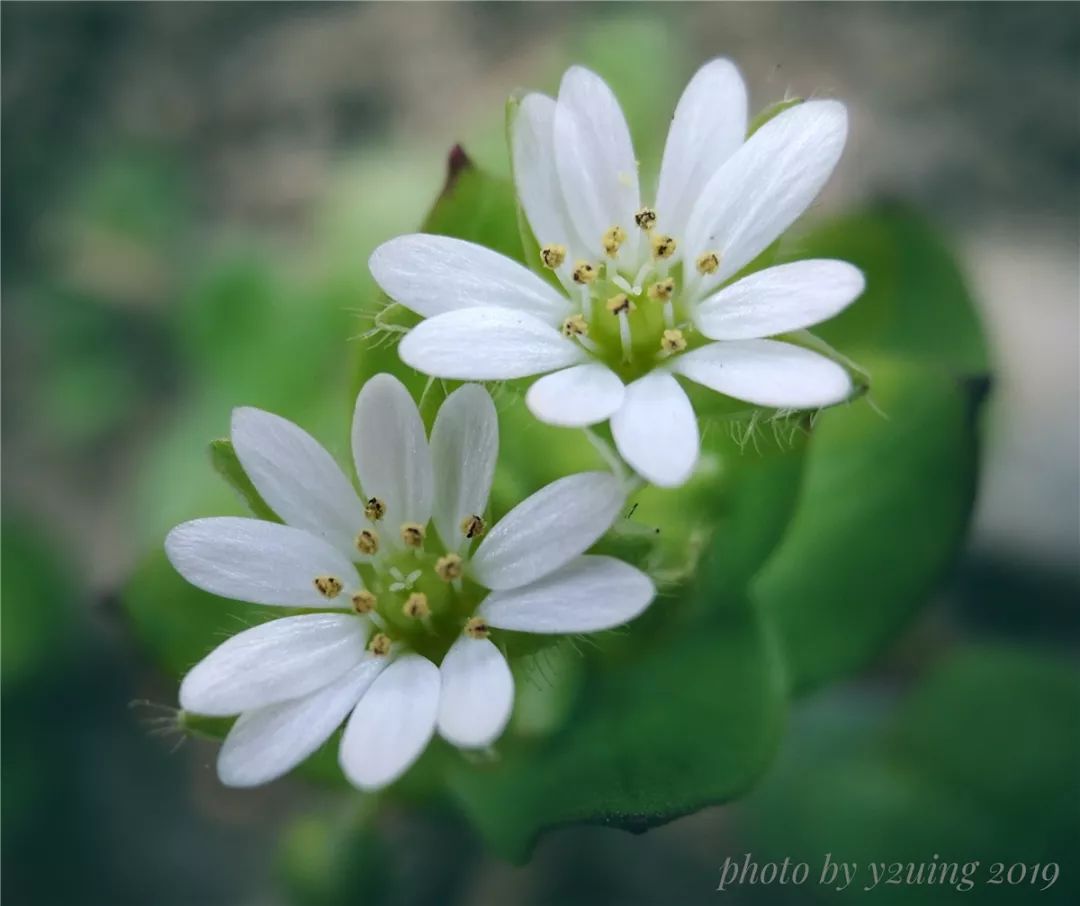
pixel 393 595
pixel 644 295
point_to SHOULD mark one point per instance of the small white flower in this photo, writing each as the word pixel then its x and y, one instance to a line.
pixel 394 595
pixel 644 295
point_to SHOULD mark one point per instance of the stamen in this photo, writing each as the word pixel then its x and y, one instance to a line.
pixel 367 542
pixel 552 256
pixel 364 601
pixel 620 304
pixel 374 509
pixel 584 273
pixel 621 283
pixel 473 526
pixel 476 628
pixel 412 533
pixel 708 263
pixel 662 246
pixel 448 568
pixel 662 290
pixel 416 606
pixel 380 644
pixel 575 326
pixel 645 218
pixel 328 586
pixel 612 240
pixel 673 341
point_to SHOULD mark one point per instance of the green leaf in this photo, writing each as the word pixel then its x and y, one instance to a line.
pixel 884 506
pixel 476 206
pixel 689 723
pixel 916 305
pixel 979 764
pixel 227 465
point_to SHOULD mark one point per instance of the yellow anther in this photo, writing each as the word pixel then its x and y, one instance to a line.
pixel 575 326
pixel 476 628
pixel 328 586
pixel 645 218
pixel 413 533
pixel 584 273
pixel 673 341
pixel 364 601
pixel 662 290
pixel 449 567
pixel 473 526
pixel 619 304
pixel 367 542
pixel 374 509
pixel 416 606
pixel 380 644
pixel 708 263
pixel 553 256
pixel 662 246
pixel 612 240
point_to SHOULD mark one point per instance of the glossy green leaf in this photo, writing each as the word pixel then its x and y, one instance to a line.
pixel 885 502
pixel 916 306
pixel 979 765
pixel 690 722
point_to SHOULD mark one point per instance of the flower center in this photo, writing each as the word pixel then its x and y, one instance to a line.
pixel 632 313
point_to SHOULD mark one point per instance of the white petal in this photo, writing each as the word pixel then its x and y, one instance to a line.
pixel 779 299
pixel 708 127
pixel 391 453
pixel 577 396
pixel 656 431
pixel 535 176
pixel 595 160
pixel 268 742
pixel 481 344
pixel 435 274
pixel 393 723
pixel 548 529
pixel 274 662
pixel 768 373
pixel 260 562
pixel 589 594
pixel 464 449
pixel 297 477
pixel 477 693
pixel 765 185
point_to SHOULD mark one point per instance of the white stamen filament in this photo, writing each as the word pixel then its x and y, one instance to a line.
pixel 620 282
pixel 624 335
pixel 669 314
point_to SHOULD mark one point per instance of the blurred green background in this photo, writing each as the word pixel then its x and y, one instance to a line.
pixel 190 193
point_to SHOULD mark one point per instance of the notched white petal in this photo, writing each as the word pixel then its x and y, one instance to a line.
pixel 391 452
pixel 481 344
pixel 767 373
pixel 477 693
pixel 547 529
pixel 276 661
pixel 268 742
pixel 464 450
pixel 656 431
pixel 577 396
pixel 432 275
pixel 591 593
pixel 259 562
pixel 393 723
pixel 780 299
